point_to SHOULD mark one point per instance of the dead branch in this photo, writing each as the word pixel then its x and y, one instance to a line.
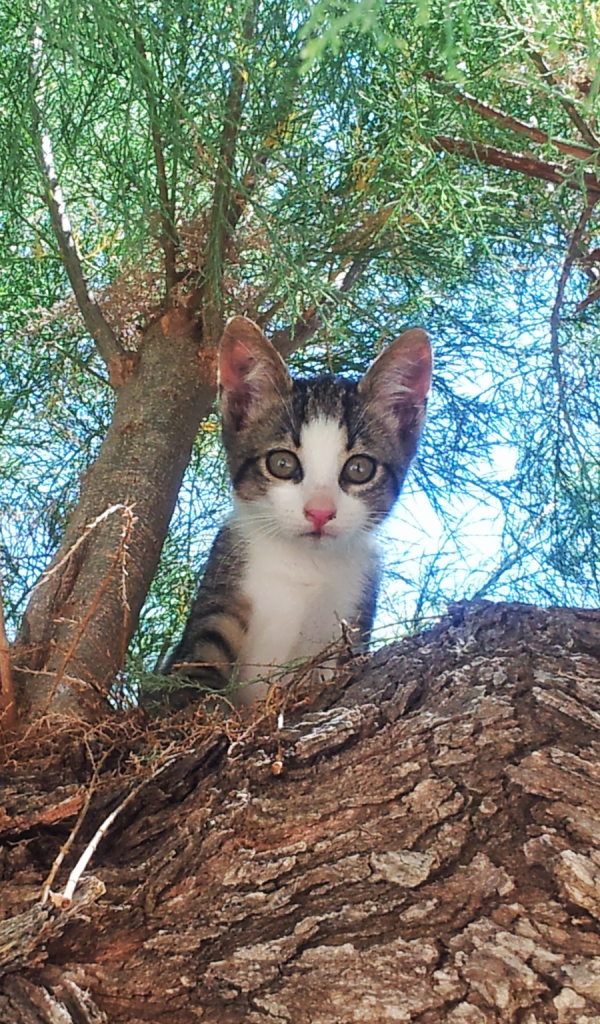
pixel 107 342
pixel 494 157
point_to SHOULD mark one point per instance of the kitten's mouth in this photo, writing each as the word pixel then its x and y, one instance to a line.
pixel 319 534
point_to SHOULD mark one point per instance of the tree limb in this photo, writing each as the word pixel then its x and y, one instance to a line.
pixel 107 342
pixel 570 108
pixel 567 105
pixel 220 223
pixel 518 162
pixel 521 127
pixel 288 339
pixel 169 239
pixel 573 251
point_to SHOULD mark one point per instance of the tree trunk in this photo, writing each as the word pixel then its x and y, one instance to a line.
pixel 83 613
pixel 421 845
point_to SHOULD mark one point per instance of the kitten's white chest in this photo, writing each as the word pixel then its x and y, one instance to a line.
pixel 298 595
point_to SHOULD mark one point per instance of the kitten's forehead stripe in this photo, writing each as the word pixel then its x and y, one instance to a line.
pixel 321 441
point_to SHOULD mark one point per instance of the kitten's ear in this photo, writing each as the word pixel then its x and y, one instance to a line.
pixel 400 378
pixel 249 368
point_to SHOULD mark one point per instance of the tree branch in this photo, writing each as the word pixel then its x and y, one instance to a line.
pixel 570 108
pixel 107 342
pixel 573 251
pixel 567 105
pixel 531 131
pixel 518 162
pixel 288 339
pixel 350 268
pixel 169 239
pixel 220 223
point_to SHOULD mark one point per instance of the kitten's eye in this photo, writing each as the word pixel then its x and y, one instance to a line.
pixel 283 465
pixel 359 469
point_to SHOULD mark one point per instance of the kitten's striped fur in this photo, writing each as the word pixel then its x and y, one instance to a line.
pixel 298 553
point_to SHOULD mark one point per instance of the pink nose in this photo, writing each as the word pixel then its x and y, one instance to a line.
pixel 319 516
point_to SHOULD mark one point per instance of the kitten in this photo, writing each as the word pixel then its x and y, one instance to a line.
pixel 316 465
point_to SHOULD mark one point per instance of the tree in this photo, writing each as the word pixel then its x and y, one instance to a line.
pixel 335 172
pixel 214 172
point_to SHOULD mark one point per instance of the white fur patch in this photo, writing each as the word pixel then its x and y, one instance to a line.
pixel 298 596
pixel 300 586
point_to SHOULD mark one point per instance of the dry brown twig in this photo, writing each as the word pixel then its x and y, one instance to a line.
pixel 66 897
pixel 88 528
pixel 8 708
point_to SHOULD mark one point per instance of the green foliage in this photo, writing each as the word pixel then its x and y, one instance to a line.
pixel 300 140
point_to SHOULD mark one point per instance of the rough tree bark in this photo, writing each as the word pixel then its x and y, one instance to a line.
pixel 421 844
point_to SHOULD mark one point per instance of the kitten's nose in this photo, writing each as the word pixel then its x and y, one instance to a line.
pixel 320 515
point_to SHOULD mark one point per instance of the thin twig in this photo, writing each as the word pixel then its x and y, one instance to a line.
pixel 537 59
pixel 220 222
pixel 169 239
pixel 86 532
pixel 512 559
pixel 8 707
pixel 62 853
pixel 346 274
pixel 94 842
pixel 288 339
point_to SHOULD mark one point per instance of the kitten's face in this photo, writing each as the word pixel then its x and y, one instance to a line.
pixel 320 460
